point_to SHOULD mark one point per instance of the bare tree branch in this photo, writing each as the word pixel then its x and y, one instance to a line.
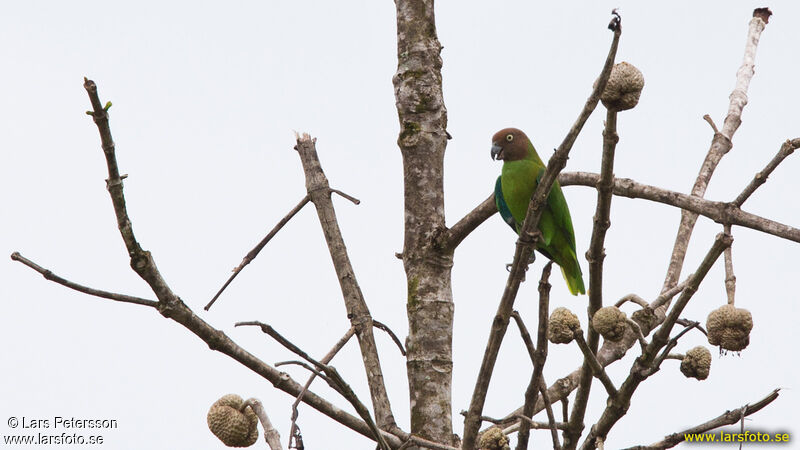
pixel 314 373
pixel 729 417
pixel 450 239
pixel 551 418
pixel 633 298
pixel 656 365
pixel 525 246
pixel 48 275
pixel 391 334
pixel 667 295
pixel 720 145
pixel 325 360
pixel 721 212
pixel 271 435
pixel 595 255
pixel 543 426
pixel 595 369
pixel 352 199
pixel 730 278
pixel 255 251
pixel 639 335
pixel 357 310
pixel 761 177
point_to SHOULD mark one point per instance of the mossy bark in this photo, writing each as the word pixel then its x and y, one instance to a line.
pixel 422 141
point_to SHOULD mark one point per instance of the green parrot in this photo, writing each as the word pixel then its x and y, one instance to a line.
pixel 522 170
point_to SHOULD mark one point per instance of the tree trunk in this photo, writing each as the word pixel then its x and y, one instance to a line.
pixel 422 141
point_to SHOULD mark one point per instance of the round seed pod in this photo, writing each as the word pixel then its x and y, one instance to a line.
pixel 494 439
pixel 562 326
pixel 232 426
pixel 623 88
pixel 610 322
pixel 696 363
pixel 729 327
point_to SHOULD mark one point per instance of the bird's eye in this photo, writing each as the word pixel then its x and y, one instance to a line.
pixel 509 137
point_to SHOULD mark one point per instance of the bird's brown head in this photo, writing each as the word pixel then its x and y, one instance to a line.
pixel 510 144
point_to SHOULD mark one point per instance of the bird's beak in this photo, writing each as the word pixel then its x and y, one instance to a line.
pixel 497 152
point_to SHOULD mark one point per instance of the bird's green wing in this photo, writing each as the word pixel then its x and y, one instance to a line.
pixel 502 206
pixel 557 204
pixel 548 226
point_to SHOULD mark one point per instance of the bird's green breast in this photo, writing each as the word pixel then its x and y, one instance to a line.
pixel 518 180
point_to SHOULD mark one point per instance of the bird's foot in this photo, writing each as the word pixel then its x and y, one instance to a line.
pixel 508 269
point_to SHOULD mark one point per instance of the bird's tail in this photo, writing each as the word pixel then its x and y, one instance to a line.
pixel 574 277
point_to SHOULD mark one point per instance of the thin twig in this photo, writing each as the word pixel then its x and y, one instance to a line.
pixel 639 335
pixel 492 420
pixel 551 417
pixel 633 298
pixel 271 435
pixel 729 417
pixel 267 329
pixel 362 410
pixel 391 334
pixel 526 336
pixel 325 360
pixel 314 373
pixel 667 295
pixel 347 196
pixel 251 255
pixel 48 275
pixel 673 342
pixel 541 425
pixel 691 323
pixel 525 246
pixel 711 123
pixel 730 278
pixel 761 177
pixel 594 366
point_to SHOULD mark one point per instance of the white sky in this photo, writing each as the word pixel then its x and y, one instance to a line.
pixel 205 99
